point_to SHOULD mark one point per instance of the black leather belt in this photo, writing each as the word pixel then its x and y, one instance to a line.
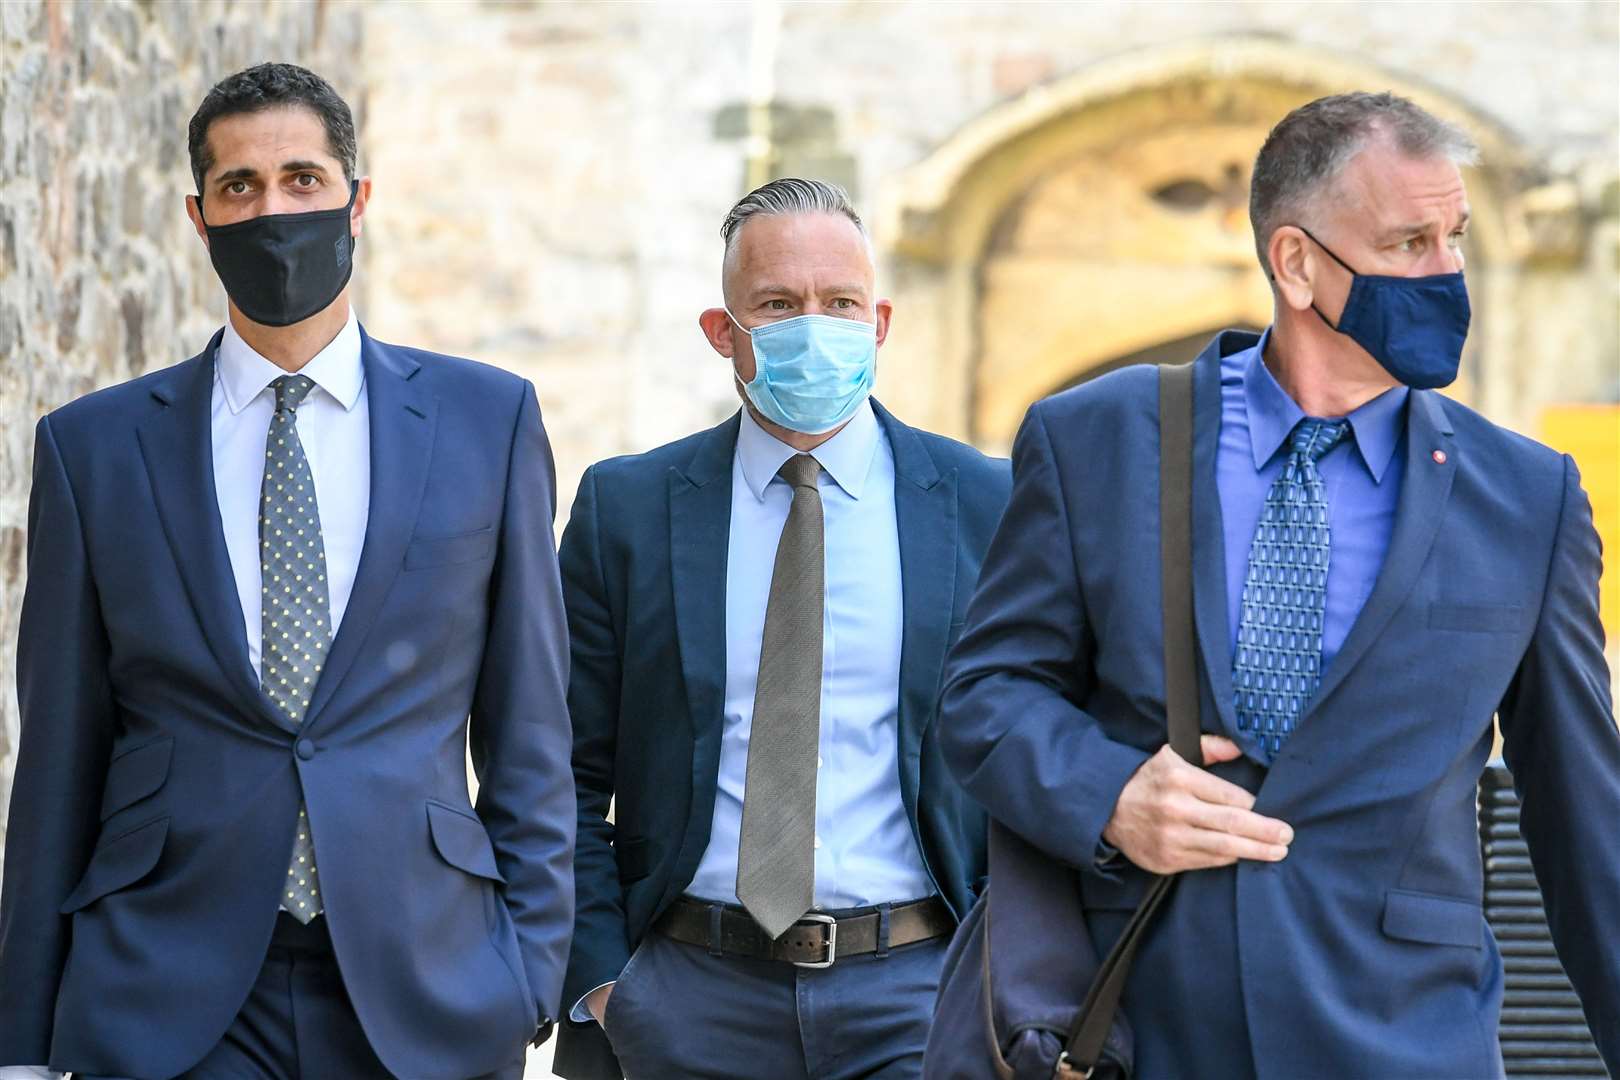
pixel 815 941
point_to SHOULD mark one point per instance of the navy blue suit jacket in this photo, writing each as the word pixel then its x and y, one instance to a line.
pixel 644 576
pixel 1364 953
pixel 156 792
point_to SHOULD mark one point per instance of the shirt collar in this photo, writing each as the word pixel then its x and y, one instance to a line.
pixel 1273 416
pixel 847 456
pixel 244 374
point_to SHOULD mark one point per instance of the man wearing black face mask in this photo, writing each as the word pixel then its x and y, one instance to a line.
pixel 1377 572
pixel 272 592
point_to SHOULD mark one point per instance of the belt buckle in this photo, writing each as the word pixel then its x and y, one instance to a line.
pixel 832 942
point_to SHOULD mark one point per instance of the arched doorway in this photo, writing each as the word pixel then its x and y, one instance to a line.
pixel 1102 219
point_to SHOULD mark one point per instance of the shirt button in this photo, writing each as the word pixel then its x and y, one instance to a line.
pixel 818 843
pixel 818 761
pixel 305 749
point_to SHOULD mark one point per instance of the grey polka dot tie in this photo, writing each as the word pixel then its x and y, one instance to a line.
pixel 296 615
pixel 1279 652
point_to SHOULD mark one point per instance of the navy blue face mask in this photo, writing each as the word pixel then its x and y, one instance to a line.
pixel 1413 326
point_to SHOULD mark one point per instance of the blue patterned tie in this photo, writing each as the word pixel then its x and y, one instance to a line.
pixel 1279 650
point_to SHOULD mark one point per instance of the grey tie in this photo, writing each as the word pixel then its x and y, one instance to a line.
pixel 296 613
pixel 776 859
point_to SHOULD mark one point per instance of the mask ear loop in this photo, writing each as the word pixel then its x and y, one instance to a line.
pixel 1341 262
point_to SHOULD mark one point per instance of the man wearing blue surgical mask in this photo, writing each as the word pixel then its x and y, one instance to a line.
pixel 759 614
pixel 1378 574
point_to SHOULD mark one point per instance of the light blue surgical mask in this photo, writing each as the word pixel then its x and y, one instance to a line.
pixel 811 372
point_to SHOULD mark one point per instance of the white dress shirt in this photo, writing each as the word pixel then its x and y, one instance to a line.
pixel 334 426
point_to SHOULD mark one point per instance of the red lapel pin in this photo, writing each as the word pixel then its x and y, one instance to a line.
pixel 1439 457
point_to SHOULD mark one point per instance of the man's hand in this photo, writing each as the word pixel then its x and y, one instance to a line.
pixel 596 1002
pixel 1172 816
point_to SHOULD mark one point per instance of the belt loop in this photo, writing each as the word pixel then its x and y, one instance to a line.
pixel 883 930
pixel 715 911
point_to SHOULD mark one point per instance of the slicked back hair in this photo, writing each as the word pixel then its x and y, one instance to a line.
pixel 789 195
pixel 270 86
pixel 1309 148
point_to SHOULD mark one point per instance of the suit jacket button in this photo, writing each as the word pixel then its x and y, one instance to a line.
pixel 305 748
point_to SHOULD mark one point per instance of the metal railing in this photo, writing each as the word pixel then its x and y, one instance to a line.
pixel 1544 1032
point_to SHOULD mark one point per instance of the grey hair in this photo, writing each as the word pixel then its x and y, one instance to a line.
pixel 1310 146
pixel 789 195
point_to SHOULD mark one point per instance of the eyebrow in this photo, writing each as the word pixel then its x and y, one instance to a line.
pixel 248 173
pixel 774 289
pixel 1416 228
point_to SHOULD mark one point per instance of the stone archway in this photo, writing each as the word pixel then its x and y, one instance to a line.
pixel 1105 215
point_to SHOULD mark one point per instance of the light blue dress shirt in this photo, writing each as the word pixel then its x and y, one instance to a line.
pixel 865 852
pixel 1361 475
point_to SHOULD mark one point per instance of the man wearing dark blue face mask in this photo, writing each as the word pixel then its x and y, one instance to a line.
pixel 273 593
pixel 1377 573
pixel 758 615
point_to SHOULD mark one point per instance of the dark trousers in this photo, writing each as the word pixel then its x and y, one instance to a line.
pixel 678 1011
pixel 298 1023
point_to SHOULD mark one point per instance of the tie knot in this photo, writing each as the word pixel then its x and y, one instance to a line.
pixel 800 470
pixel 1313 438
pixel 291 390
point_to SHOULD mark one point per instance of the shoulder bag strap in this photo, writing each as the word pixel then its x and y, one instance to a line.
pixel 1090 1032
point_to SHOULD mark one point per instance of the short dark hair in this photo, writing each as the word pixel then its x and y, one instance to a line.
pixel 1311 145
pixel 270 86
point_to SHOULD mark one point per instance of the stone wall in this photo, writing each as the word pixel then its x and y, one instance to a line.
pixel 101 275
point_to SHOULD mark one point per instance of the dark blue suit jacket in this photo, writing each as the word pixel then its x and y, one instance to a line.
pixel 1365 953
pixel 156 792
pixel 644 576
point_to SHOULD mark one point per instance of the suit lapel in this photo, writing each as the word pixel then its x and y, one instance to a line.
pixel 1208 544
pixel 925 510
pixel 1425 490
pixel 403 418
pixel 177 446
pixel 699 536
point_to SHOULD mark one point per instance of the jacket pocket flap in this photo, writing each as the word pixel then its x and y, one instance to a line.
pixel 1480 618
pixel 135 774
pixel 1433 920
pixel 444 550
pixel 118 864
pixel 631 856
pixel 461 840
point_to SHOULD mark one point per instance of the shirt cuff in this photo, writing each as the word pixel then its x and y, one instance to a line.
pixel 1107 857
pixel 29 1072
pixel 579 1014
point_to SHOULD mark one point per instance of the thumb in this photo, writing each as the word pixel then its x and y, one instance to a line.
pixel 1218 748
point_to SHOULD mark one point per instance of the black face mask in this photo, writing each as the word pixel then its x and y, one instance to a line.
pixel 280 269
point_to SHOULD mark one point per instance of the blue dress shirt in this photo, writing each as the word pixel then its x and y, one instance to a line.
pixel 865 852
pixel 1362 476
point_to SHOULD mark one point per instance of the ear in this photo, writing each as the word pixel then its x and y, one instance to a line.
pixel 1290 256
pixel 885 313
pixel 358 211
pixel 194 212
pixel 717 328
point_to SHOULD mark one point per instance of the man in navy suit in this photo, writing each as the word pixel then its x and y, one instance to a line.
pixel 1378 570
pixel 267 588
pixel 759 615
